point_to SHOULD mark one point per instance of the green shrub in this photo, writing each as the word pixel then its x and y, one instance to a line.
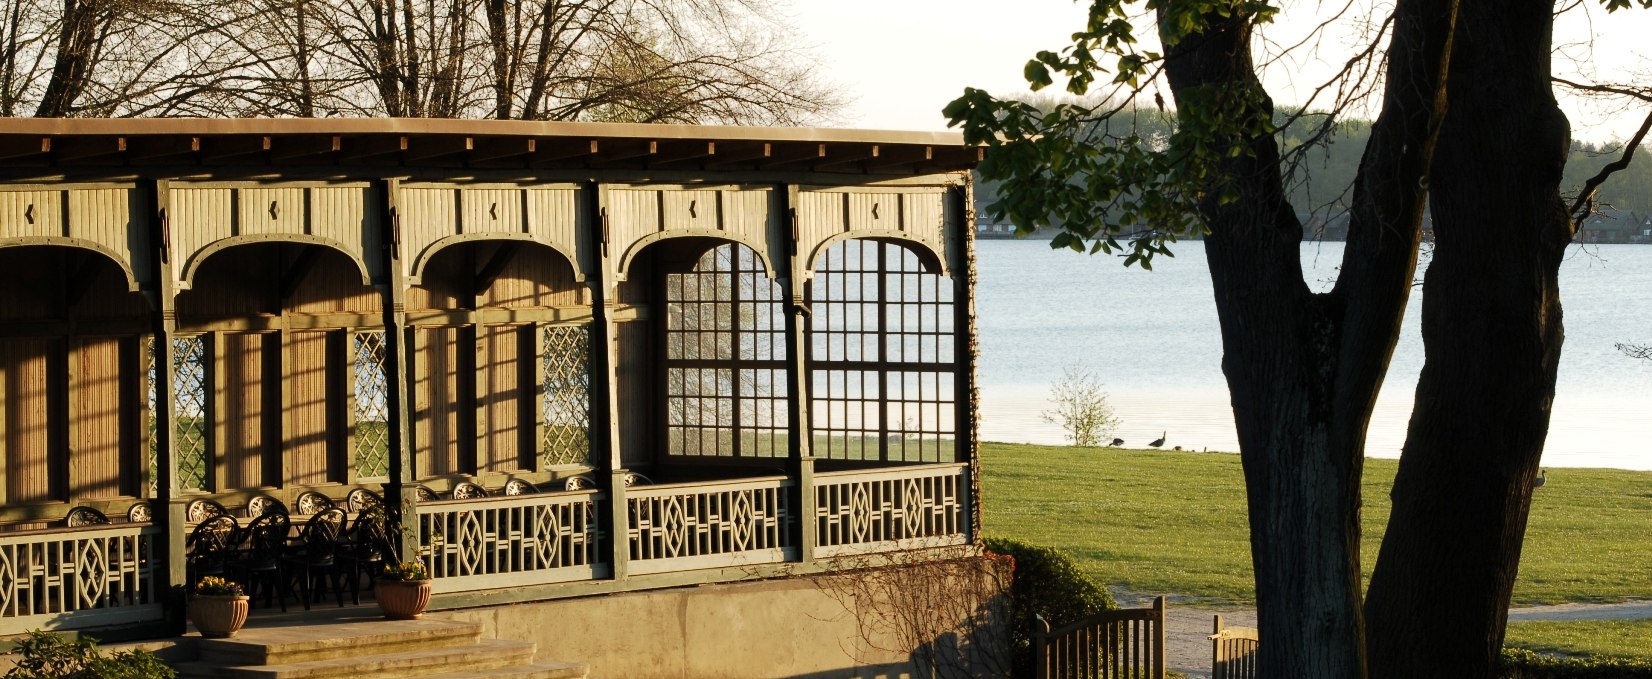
pixel 1046 583
pixel 1519 663
pixel 44 655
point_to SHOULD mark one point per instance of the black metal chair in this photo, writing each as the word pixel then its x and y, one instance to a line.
pixel 635 479
pixel 211 545
pixel 519 487
pixel 363 550
pixel 425 494
pixel 84 516
pixel 465 490
pixel 313 554
pixel 140 512
pixel 581 482
pixel 259 566
pixel 264 504
pixel 312 502
pixel 361 498
pixel 201 509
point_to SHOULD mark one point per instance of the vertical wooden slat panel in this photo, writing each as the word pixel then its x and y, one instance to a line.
pixel 437 400
pixel 95 413
pixel 498 394
pixel 333 285
pixel 239 398
pixel 26 433
pixel 635 381
pixel 306 434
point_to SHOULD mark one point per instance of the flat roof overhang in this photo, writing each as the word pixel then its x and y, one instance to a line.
pixel 481 144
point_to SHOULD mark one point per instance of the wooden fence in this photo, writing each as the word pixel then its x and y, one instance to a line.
pixel 1233 652
pixel 891 509
pixel 79 577
pixel 1122 644
pixel 512 541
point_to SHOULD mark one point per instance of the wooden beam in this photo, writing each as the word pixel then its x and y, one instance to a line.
pixel 845 155
pixel 152 149
pixel 24 147
pixel 294 275
pixel 735 153
pixel 219 149
pixel 805 153
pixel 560 150
pixel 503 148
pixel 629 149
pixel 496 265
pixel 678 152
pixel 75 150
pixel 436 147
pixel 305 147
pixel 368 148
pixel 901 156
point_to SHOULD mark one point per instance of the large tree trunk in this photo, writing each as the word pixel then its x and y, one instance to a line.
pixel 1492 331
pixel 1304 369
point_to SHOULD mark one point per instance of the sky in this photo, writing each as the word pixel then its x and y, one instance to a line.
pixel 903 60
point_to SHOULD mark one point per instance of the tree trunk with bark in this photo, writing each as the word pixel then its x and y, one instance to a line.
pixel 1491 328
pixel 1304 369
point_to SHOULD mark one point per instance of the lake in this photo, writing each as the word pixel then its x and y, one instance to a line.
pixel 1153 338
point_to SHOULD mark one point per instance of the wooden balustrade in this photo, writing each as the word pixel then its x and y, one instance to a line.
pixel 707 525
pixel 1120 644
pixel 1233 651
pixel 891 509
pixel 512 541
pixel 79 577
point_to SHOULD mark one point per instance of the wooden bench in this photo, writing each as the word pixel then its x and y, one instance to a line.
pixel 1233 651
pixel 1123 643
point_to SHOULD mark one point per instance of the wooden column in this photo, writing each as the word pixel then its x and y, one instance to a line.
pixel 797 379
pixel 169 503
pixel 604 361
pixel 398 372
pixel 962 203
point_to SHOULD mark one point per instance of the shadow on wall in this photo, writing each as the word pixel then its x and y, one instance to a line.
pixel 949 615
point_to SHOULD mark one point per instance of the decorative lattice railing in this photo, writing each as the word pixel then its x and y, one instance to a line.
pixel 859 512
pixel 512 541
pixel 708 525
pixel 79 577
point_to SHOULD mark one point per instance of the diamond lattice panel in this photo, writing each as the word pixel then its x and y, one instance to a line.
pixel 189 410
pixel 372 385
pixel 565 395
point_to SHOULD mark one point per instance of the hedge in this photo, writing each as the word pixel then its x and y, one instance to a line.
pixel 1049 584
pixel 1519 663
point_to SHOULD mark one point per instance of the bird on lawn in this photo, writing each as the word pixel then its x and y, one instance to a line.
pixel 1118 443
pixel 1540 480
pixel 1159 442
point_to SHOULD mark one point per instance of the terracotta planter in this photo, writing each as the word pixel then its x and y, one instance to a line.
pixel 402 599
pixel 218 616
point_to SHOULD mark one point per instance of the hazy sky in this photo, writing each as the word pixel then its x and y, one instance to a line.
pixel 903 60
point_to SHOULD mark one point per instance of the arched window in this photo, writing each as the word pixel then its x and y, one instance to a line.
pixel 725 367
pixel 881 345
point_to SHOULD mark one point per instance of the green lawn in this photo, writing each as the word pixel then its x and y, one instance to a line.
pixel 1174 522
pixel 1624 638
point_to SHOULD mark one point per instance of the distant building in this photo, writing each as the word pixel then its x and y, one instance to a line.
pixel 1611 225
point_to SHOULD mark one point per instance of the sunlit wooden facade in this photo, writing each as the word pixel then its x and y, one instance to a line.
pixel 717 353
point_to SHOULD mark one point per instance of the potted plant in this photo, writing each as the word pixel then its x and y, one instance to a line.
pixel 403 590
pixel 217 607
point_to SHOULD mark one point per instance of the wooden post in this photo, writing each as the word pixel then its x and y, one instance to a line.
pixel 798 423
pixel 1158 637
pixel 1041 663
pixel 965 344
pixel 604 361
pixel 398 373
pixel 169 512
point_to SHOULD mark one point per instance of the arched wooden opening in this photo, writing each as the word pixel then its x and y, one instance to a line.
pixel 500 354
pixel 703 379
pixel 72 378
pixel 882 354
pixel 279 371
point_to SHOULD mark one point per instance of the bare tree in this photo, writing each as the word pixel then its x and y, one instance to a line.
pixel 1080 407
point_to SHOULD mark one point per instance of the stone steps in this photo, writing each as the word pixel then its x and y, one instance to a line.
pixel 372 649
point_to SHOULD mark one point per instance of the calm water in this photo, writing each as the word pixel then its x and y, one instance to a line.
pixel 1153 338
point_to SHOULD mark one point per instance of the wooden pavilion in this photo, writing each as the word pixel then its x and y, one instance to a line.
pixel 715 353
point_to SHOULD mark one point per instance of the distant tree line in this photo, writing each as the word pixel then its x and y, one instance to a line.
pixel 708 61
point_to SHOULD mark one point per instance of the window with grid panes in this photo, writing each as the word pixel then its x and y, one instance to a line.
pixel 725 361
pixel 881 364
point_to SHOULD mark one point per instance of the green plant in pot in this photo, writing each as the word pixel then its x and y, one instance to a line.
pixel 403 590
pixel 217 607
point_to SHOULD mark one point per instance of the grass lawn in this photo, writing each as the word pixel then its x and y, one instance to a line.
pixel 1174 522
pixel 1624 638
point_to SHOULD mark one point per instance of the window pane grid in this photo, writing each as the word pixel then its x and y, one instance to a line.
pixel 882 343
pixel 725 358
